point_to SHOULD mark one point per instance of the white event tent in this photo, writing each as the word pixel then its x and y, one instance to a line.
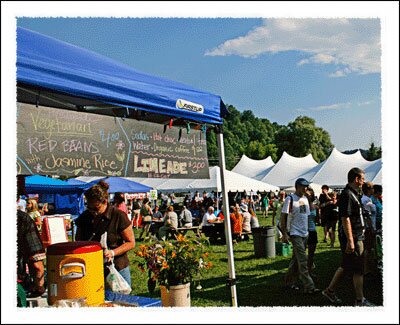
pixel 287 169
pixel 333 171
pixel 253 168
pixel 233 182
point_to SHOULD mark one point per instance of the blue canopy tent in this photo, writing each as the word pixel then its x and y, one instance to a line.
pixel 68 198
pixel 57 74
pixel 75 78
pixel 119 184
pixel 37 184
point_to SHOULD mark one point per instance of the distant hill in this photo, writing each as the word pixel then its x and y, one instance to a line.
pixel 364 152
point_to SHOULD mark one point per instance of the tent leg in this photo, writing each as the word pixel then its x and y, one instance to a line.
pixel 225 205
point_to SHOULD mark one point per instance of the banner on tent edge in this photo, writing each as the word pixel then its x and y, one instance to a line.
pixel 52 141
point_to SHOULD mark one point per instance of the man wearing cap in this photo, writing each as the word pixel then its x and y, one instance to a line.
pixel 294 218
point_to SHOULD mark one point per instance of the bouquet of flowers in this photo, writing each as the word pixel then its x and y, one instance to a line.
pixel 174 262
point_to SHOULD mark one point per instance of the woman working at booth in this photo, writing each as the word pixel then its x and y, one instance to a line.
pixel 101 217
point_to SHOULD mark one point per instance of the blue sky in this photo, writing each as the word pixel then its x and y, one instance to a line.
pixel 327 69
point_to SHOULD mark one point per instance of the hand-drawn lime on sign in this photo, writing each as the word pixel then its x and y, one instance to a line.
pixel 61 142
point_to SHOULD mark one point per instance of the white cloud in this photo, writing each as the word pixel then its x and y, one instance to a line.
pixel 328 107
pixel 337 106
pixel 352 44
pixel 364 103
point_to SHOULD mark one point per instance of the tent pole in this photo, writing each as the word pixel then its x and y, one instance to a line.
pixel 231 281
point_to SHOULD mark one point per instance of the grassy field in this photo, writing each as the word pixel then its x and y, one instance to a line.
pixel 260 281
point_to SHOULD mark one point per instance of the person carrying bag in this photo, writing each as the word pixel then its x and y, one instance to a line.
pixel 146 214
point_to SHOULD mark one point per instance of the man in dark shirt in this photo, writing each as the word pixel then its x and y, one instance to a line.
pixel 351 236
pixel 30 252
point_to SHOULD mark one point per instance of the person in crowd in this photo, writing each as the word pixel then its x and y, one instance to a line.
pixel 21 203
pixel 325 206
pixel 252 202
pixel 185 218
pixel 294 220
pixel 312 232
pixel 254 220
pixel 369 209
pixel 197 197
pixel 172 199
pixel 136 205
pixel 45 209
pixel 377 200
pixel 30 252
pixel 351 237
pixel 236 223
pixel 277 206
pixel 265 205
pixel 33 211
pixel 157 215
pixel 332 216
pixel 119 202
pixel 368 205
pixel 187 200
pixel 209 217
pixel 170 222
pixel 246 220
pixel 207 201
pixel 101 217
pixel 146 213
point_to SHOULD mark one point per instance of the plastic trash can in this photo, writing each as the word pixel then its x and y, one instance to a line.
pixel 269 241
pixel 260 237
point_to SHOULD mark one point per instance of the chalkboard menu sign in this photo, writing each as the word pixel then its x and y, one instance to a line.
pixel 53 141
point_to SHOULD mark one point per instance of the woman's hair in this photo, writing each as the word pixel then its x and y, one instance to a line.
pixel 98 192
pixel 251 211
pixel 377 189
pixel 119 197
pixel 146 200
pixel 34 204
pixel 170 208
pixel 368 186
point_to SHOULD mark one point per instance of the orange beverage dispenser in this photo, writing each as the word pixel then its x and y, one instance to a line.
pixel 75 270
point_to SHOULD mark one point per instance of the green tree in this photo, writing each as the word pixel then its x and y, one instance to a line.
pixel 256 150
pixel 373 152
pixel 301 137
pixel 258 138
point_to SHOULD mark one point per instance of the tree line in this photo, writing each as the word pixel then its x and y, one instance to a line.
pixel 258 138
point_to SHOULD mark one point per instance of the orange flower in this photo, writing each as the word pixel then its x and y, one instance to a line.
pixel 173 255
pixel 164 265
pixel 164 252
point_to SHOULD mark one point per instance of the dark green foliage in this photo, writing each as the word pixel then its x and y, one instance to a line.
pixel 371 154
pixel 258 138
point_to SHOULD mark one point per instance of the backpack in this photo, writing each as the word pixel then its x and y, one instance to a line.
pixel 290 211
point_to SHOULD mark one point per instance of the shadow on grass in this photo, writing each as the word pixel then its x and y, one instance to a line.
pixel 263 284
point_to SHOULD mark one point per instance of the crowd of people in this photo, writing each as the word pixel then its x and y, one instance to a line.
pixel 354 215
pixel 358 220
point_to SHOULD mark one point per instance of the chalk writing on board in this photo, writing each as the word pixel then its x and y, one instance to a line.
pixel 60 142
